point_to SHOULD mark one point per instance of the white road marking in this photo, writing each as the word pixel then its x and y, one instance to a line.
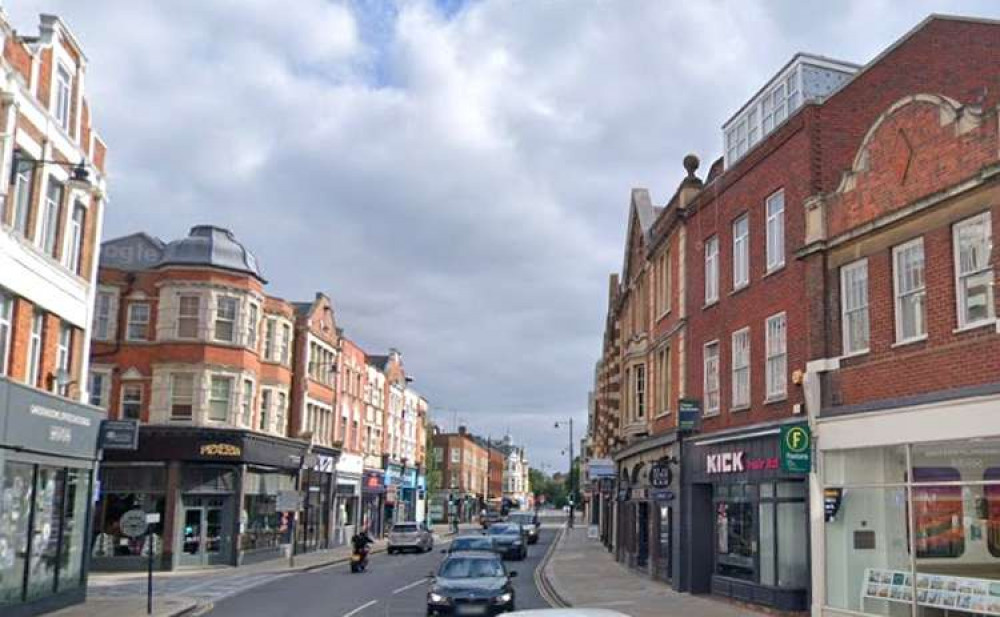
pixel 361 608
pixel 410 586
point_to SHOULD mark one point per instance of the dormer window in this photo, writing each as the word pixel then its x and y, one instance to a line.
pixel 63 93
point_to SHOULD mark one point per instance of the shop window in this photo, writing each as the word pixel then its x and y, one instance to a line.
pixel 263 527
pixel 990 507
pixel 109 541
pixel 735 533
pixel 937 513
pixel 17 497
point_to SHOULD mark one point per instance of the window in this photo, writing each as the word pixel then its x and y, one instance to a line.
pixel 777 357
pixel 131 403
pixel 50 217
pixel 780 107
pixel 741 368
pixel 138 322
pixel 252 327
pixel 279 412
pixel 767 115
pixel 6 317
pixel 711 385
pixel 286 343
pixel 64 351
pixel 247 403
pixel 188 312
pixel 225 319
pixel 754 126
pixel 854 306
pixel 712 270
pixel 35 348
pixel 741 252
pixel 776 231
pixel 219 397
pixel 98 386
pixel 456 455
pixel 666 387
pixel 23 187
pixel 269 345
pixel 908 283
pixel 665 284
pixel 74 249
pixel 181 396
pixel 792 92
pixel 63 94
pixel 640 391
pixel 973 244
pixel 265 409
pixel 103 316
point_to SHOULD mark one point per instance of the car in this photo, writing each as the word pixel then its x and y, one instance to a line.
pixel 471 584
pixel 410 536
pixel 530 521
pixel 511 540
pixel 567 612
pixel 489 517
pixel 472 543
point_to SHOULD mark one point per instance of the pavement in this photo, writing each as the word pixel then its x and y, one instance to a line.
pixel 581 573
pixel 194 591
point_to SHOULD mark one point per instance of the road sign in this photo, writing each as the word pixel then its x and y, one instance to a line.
pixel 796 449
pixel 133 523
pixel 288 501
pixel 119 434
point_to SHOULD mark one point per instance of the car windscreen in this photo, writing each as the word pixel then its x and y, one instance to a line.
pixel 404 528
pixel 470 567
pixel 524 519
pixel 472 544
pixel 503 530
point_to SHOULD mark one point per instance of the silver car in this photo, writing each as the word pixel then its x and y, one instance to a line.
pixel 410 536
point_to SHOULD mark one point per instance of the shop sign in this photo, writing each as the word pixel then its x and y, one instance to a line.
pixel 393 475
pixel 409 478
pixel 661 494
pixel 119 435
pixel 325 464
pixel 832 498
pixel 660 475
pixel 689 413
pixel 796 449
pixel 725 462
pixel 346 489
pixel 226 450
pixel 43 422
pixel 372 482
pixel 133 523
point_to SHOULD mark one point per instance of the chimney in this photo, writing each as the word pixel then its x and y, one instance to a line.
pixel 462 430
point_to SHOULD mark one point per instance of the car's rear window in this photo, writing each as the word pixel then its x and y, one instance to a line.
pixel 404 528
pixel 472 544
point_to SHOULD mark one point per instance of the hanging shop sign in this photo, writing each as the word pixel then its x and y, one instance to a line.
pixel 796 449
pixel 661 494
pixel 119 434
pixel 832 498
pixel 689 413
pixel 660 475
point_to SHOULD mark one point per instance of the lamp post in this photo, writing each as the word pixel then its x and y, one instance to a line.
pixel 571 491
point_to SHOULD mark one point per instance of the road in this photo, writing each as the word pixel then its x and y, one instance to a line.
pixel 394 585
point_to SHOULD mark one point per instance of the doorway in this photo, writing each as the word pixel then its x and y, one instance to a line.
pixel 642 556
pixel 203 536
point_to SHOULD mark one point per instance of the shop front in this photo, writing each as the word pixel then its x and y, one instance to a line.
pixel 601 475
pixel 911 503
pixel 318 483
pixel 647 502
pixel 373 501
pixel 394 508
pixel 48 449
pixel 215 491
pixel 407 510
pixel 347 496
pixel 746 520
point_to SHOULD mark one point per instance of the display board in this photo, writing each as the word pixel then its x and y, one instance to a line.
pixel 975 595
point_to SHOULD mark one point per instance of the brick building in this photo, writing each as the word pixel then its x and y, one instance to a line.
pixel 463 461
pixel 52 199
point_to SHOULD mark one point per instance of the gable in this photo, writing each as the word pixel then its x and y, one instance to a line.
pixel 135 252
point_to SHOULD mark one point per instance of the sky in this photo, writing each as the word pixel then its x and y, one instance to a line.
pixel 454 175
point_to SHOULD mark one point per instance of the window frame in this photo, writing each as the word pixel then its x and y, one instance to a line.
pixel 102 392
pixel 62 93
pixel 6 329
pixel 897 251
pixel 73 251
pixel 213 398
pixel 264 410
pixel 712 410
pixel 775 236
pixel 246 403
pixel 740 356
pixel 123 400
pixel 961 297
pixel 741 252
pixel 24 189
pixel 220 319
pixel 774 395
pixel 712 270
pixel 48 229
pixel 33 367
pixel 639 391
pixel 109 318
pixel 64 355
pixel 845 312
pixel 130 321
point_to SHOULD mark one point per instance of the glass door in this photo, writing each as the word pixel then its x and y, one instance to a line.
pixel 203 539
pixel 193 537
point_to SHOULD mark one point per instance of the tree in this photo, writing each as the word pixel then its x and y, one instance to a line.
pixel 434 481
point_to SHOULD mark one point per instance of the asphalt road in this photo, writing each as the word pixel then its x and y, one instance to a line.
pixel 394 585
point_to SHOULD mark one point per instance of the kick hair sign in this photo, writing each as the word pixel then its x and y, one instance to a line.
pixel 737 462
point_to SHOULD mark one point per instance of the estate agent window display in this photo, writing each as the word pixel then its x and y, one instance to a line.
pixel 914 529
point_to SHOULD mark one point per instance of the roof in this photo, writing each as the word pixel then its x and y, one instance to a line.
pixel 379 362
pixel 215 247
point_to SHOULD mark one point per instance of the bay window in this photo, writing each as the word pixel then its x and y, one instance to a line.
pixel 181 396
pixel 220 396
pixel 225 319
pixel 188 316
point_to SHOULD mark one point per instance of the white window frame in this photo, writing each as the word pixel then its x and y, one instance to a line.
pixel 246 402
pixel 48 233
pixel 849 313
pixel 133 322
pixel 776 357
pixel 270 342
pixel 741 252
pixel 712 270
pixel 961 294
pixel 264 417
pixel 126 387
pixel 280 409
pixel 105 315
pixel 253 320
pixel 711 377
pixel 73 251
pixel 188 318
pixel 24 186
pixel 641 400
pixel 222 319
pixel 62 95
pixel 33 368
pixel 286 344
pixel 898 293
pixel 64 355
pixel 6 329
pixel 188 399
pixel 740 349
pixel 775 230
pixel 666 380
pixel 456 455
pixel 213 398
pixel 99 396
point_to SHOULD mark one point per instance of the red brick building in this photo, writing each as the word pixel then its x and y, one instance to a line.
pixel 463 461
pixel 52 200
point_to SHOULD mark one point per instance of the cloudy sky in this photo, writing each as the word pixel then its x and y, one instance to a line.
pixel 455 175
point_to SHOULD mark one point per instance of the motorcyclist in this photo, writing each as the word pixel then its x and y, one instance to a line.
pixel 361 541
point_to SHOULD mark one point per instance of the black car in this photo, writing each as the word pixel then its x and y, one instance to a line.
pixel 472 543
pixel 510 539
pixel 473 584
pixel 530 521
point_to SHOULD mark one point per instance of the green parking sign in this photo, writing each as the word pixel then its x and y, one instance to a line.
pixel 796 449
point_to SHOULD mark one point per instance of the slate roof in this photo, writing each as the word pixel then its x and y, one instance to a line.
pixel 208 245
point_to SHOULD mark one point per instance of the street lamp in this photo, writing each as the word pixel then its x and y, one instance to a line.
pixel 571 491
pixel 80 173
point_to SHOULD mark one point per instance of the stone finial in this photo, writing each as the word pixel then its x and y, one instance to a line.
pixel 691 164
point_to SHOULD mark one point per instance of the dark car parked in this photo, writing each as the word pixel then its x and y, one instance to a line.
pixel 511 540
pixel 472 543
pixel 471 584
pixel 530 521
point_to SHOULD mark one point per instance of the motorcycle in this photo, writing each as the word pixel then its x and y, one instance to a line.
pixel 359 561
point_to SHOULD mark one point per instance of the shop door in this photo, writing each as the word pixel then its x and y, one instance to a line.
pixel 642 556
pixel 664 519
pixel 203 534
